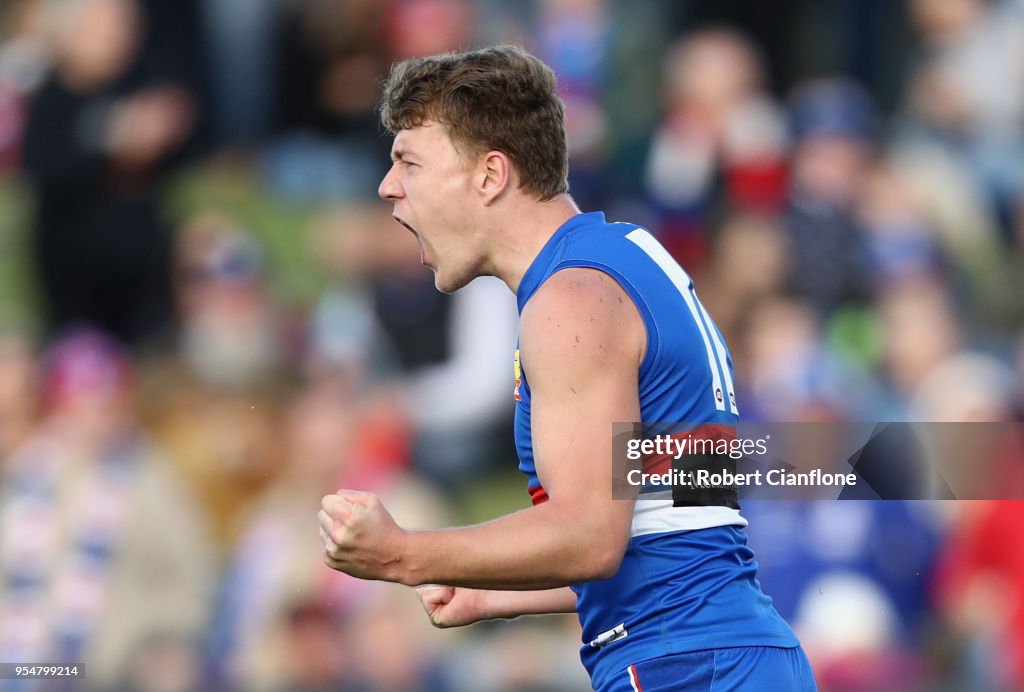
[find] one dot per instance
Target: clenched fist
(360, 537)
(450, 606)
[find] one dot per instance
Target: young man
(610, 331)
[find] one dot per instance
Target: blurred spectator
(491, 660)
(937, 189)
(919, 330)
(392, 644)
(18, 393)
(99, 539)
(95, 151)
(834, 128)
(721, 143)
(850, 576)
(334, 439)
(417, 28)
(214, 403)
(786, 372)
(224, 443)
(1019, 382)
(978, 590)
(574, 38)
(443, 349)
(900, 242)
(975, 457)
(967, 92)
(164, 662)
(231, 336)
(316, 656)
(984, 390)
(978, 587)
(749, 262)
(23, 63)
(241, 38)
(332, 148)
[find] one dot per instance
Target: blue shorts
(743, 668)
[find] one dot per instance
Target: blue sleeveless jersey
(687, 580)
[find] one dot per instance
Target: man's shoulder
(574, 290)
(581, 311)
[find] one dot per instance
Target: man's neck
(524, 232)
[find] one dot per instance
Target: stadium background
(207, 321)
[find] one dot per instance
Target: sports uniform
(685, 596)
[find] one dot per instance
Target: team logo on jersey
(519, 378)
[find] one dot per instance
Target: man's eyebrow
(399, 154)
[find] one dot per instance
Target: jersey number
(721, 377)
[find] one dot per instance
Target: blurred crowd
(208, 320)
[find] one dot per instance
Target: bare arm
(581, 343)
(450, 606)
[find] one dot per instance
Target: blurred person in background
(575, 38)
(786, 370)
(314, 653)
(393, 646)
(88, 566)
(231, 331)
(441, 377)
(336, 435)
(241, 39)
(1018, 361)
(214, 403)
(491, 660)
(224, 444)
(974, 456)
(23, 65)
(328, 146)
(748, 264)
(833, 127)
(852, 576)
(935, 191)
(978, 589)
(414, 28)
(18, 392)
(984, 386)
(900, 243)
(919, 330)
(966, 93)
(165, 662)
(99, 137)
(721, 143)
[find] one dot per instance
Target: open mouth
(407, 226)
(423, 251)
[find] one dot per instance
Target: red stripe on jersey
(538, 495)
(634, 680)
(662, 463)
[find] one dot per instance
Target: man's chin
(448, 284)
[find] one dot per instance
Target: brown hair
(499, 98)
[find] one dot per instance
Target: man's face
(430, 185)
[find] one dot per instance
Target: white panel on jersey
(659, 516)
(723, 361)
(646, 242)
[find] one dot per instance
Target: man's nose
(389, 189)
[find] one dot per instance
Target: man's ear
(495, 175)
